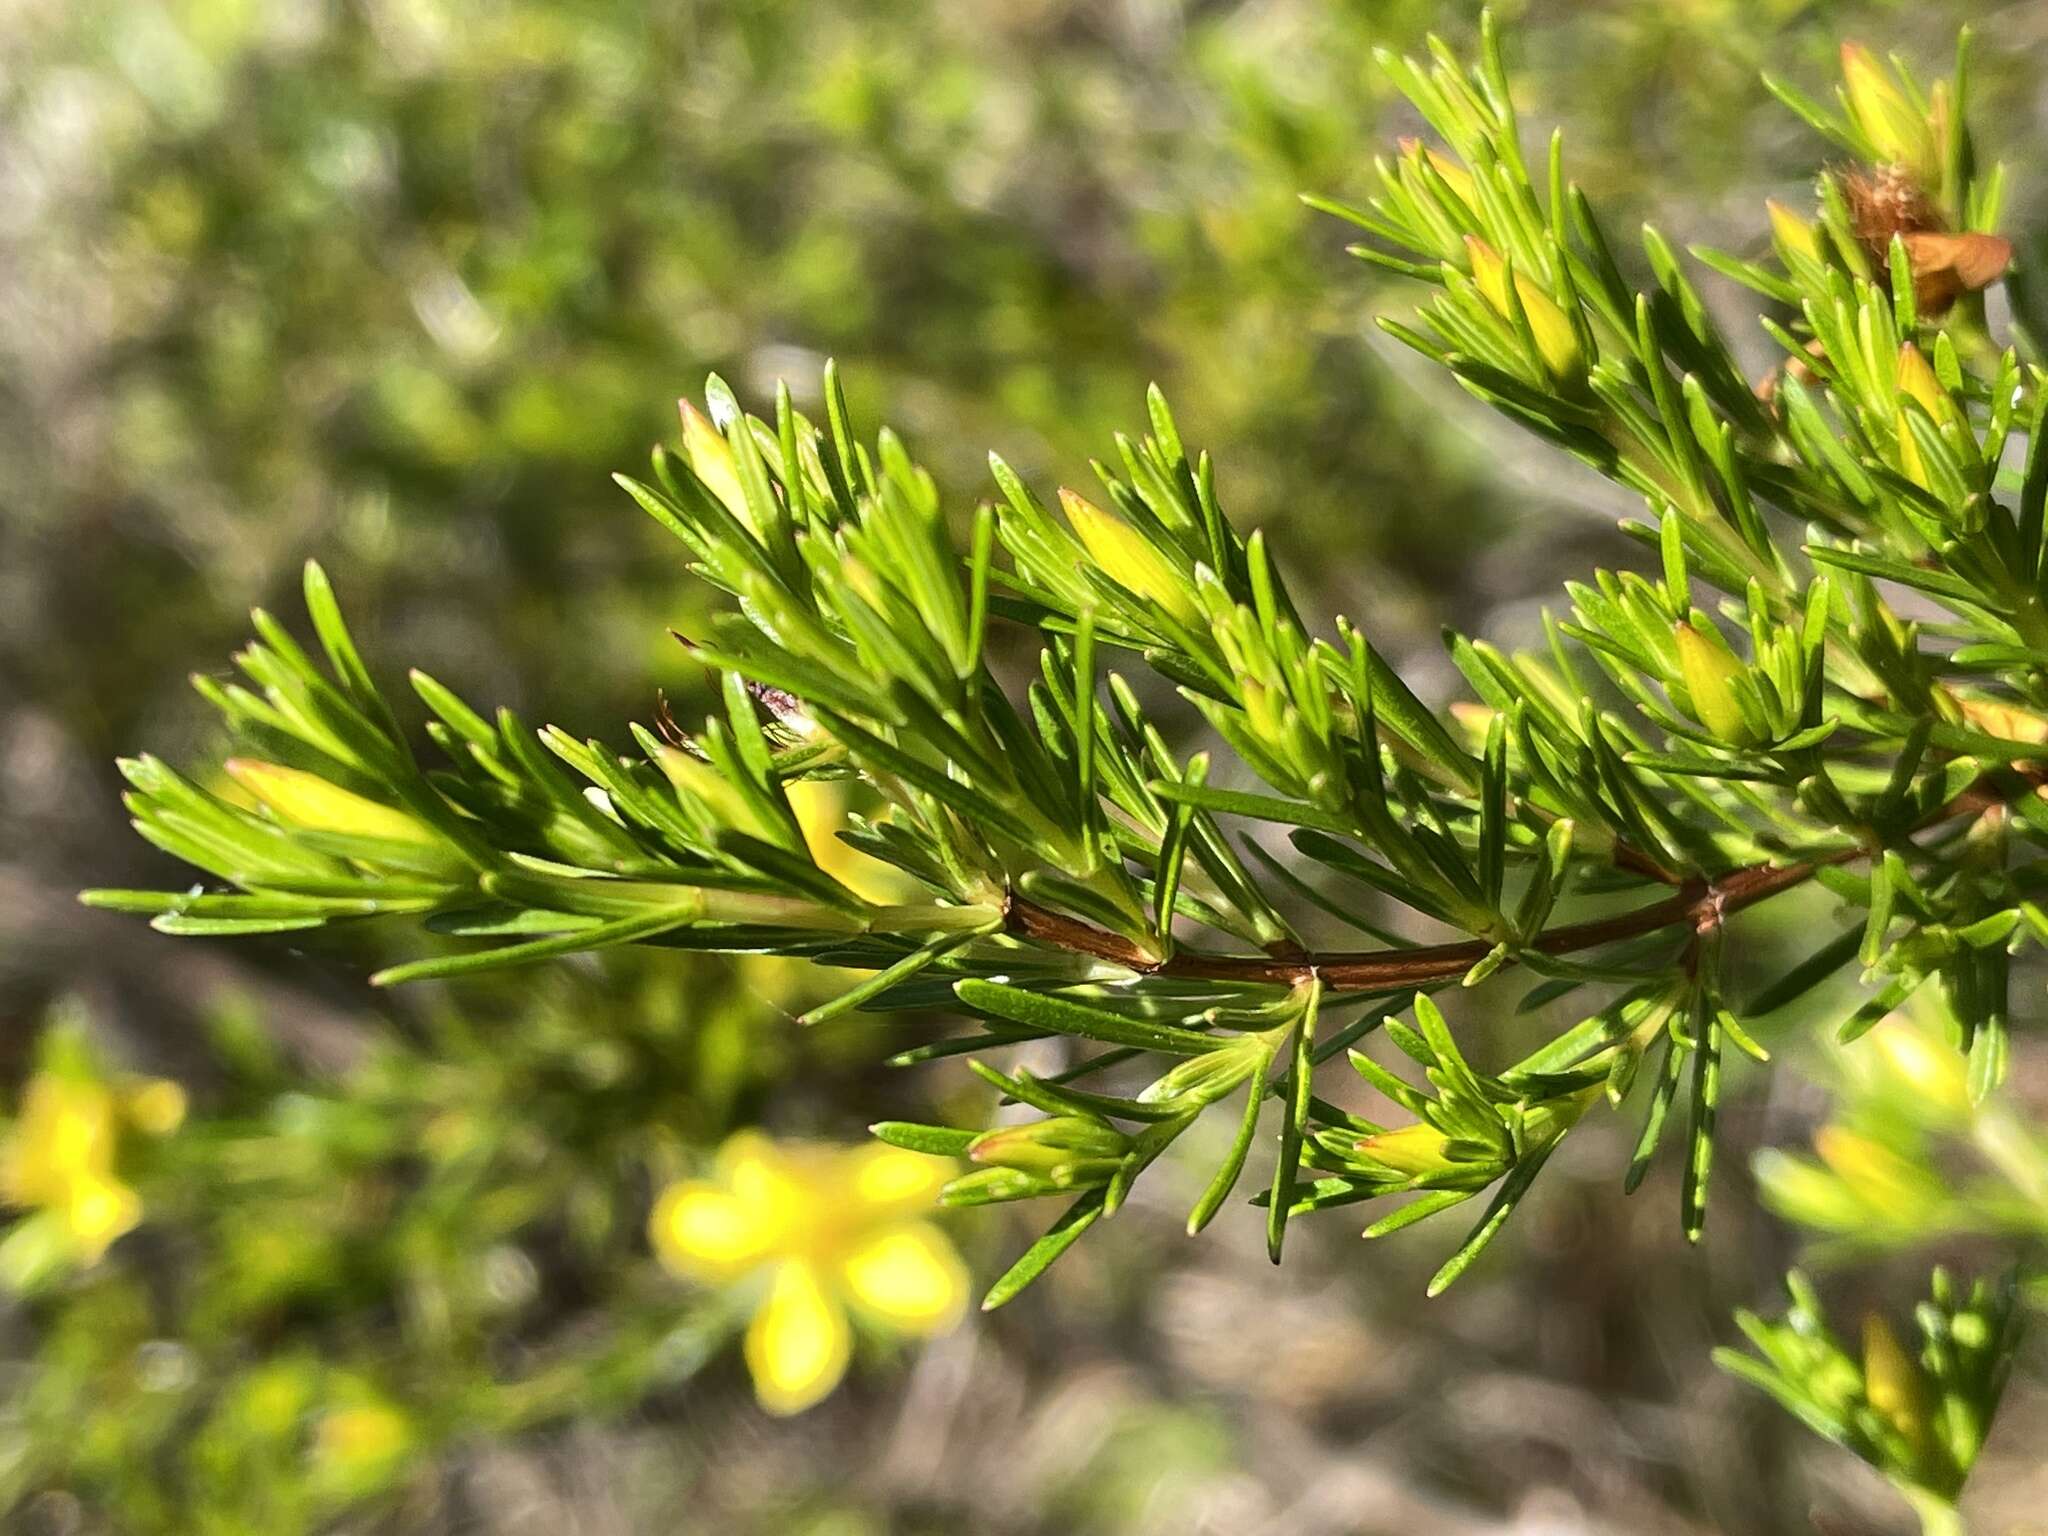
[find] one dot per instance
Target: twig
(1704, 904)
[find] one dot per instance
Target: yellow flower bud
(1710, 669)
(1412, 1149)
(710, 459)
(1793, 233)
(1891, 1381)
(1129, 559)
(1556, 339)
(307, 800)
(1916, 378)
(359, 1434)
(1881, 1178)
(1912, 464)
(1995, 717)
(820, 806)
(1455, 176)
(703, 786)
(1898, 134)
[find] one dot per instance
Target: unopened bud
(1709, 669)
(1793, 234)
(1994, 717)
(1912, 463)
(1065, 1148)
(155, 1106)
(1556, 339)
(1898, 133)
(1129, 559)
(1916, 378)
(1455, 176)
(1206, 1078)
(1891, 1381)
(307, 800)
(985, 1186)
(1411, 1151)
(710, 459)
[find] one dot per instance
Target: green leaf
(624, 930)
(1039, 1257)
(1062, 1016)
(1294, 1112)
(937, 1140)
(1226, 1175)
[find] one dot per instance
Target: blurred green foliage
(337, 1278)
(400, 282)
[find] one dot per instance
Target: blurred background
(397, 284)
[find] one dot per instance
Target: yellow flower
(1916, 378)
(835, 1231)
(60, 1157)
(364, 1436)
(361, 1443)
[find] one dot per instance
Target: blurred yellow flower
(361, 1443)
(1892, 1382)
(60, 1157)
(367, 1435)
(836, 1230)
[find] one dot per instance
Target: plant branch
(1704, 904)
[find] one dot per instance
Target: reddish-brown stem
(1703, 904)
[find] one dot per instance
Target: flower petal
(896, 1179)
(907, 1278)
(709, 1234)
(98, 1210)
(798, 1344)
(771, 1180)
